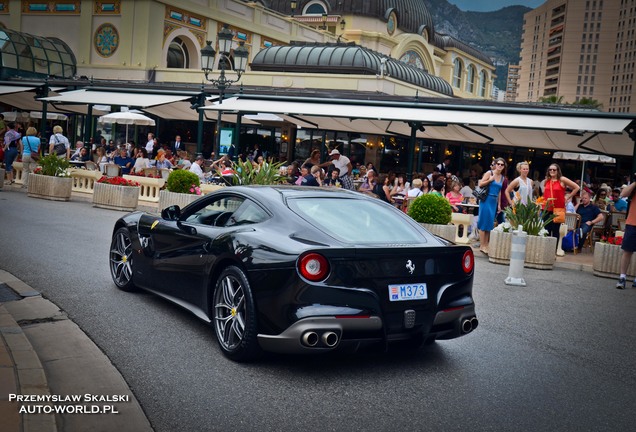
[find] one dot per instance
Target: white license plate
(403, 292)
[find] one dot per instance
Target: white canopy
(587, 157)
(127, 118)
(133, 99)
(519, 126)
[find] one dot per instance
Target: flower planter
(2, 174)
(167, 198)
(115, 197)
(607, 261)
(50, 187)
(499, 247)
(444, 231)
(540, 251)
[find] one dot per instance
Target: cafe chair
(598, 230)
(112, 170)
(91, 166)
(165, 172)
(151, 172)
(573, 222)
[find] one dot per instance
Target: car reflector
(468, 261)
(313, 266)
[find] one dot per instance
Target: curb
(23, 363)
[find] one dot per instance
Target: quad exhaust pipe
(311, 339)
(469, 325)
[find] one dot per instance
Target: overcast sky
(491, 5)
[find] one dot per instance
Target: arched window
(457, 73)
(178, 56)
(470, 79)
(315, 8)
(482, 83)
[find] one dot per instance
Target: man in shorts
(629, 238)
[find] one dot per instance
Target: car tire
(234, 316)
(121, 260)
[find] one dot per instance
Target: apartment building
(577, 50)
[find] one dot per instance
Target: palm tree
(589, 103)
(554, 99)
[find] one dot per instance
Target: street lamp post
(240, 54)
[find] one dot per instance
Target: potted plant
(434, 213)
(182, 188)
(247, 173)
(51, 179)
(116, 193)
(607, 258)
(540, 247)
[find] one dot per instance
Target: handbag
(35, 156)
(559, 215)
(480, 193)
(60, 147)
(558, 212)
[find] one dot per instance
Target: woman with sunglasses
(554, 193)
(489, 208)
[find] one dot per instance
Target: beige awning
(552, 129)
(130, 99)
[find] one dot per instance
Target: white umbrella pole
(582, 178)
(126, 134)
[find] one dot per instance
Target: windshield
(357, 221)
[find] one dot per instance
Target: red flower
(117, 181)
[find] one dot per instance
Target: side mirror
(172, 213)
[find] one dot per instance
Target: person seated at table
(314, 178)
(100, 158)
(467, 189)
(455, 197)
(416, 190)
(590, 216)
(333, 179)
(141, 162)
(369, 182)
(617, 203)
(81, 156)
(382, 188)
(304, 171)
(162, 162)
(399, 190)
(124, 161)
(438, 187)
(197, 167)
(183, 160)
(293, 172)
(111, 150)
(170, 157)
(79, 145)
(223, 166)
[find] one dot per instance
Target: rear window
(357, 221)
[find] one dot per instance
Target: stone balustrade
(84, 180)
(463, 220)
(148, 187)
(18, 174)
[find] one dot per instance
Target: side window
(248, 213)
(214, 213)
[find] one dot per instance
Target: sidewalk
(43, 353)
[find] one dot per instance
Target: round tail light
(468, 261)
(313, 267)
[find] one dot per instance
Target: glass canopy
(26, 55)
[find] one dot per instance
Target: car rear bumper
(327, 332)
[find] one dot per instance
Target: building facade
(579, 50)
(160, 41)
(512, 83)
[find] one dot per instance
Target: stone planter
(50, 187)
(540, 251)
(2, 174)
(115, 197)
(167, 198)
(499, 247)
(607, 261)
(444, 231)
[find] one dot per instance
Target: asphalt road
(555, 355)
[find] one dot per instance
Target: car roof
(289, 191)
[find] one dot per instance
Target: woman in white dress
(525, 185)
(141, 162)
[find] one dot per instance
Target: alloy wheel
(121, 259)
(229, 312)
